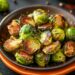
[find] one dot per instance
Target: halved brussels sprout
(70, 33)
(59, 56)
(13, 28)
(27, 20)
(25, 31)
(59, 21)
(69, 49)
(31, 45)
(42, 59)
(40, 16)
(53, 48)
(12, 44)
(46, 38)
(23, 58)
(58, 34)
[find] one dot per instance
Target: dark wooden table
(20, 3)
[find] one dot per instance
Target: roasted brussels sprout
(26, 20)
(25, 31)
(59, 56)
(69, 49)
(40, 16)
(42, 59)
(58, 34)
(59, 21)
(46, 38)
(13, 28)
(23, 58)
(53, 48)
(31, 45)
(70, 33)
(12, 44)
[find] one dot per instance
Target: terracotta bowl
(8, 59)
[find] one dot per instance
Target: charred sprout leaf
(52, 48)
(58, 34)
(42, 59)
(23, 58)
(46, 38)
(47, 26)
(69, 49)
(12, 44)
(40, 16)
(31, 45)
(59, 57)
(70, 33)
(26, 31)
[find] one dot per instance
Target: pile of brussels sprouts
(40, 38)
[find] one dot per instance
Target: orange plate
(24, 71)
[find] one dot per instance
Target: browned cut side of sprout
(31, 45)
(13, 28)
(12, 44)
(23, 58)
(27, 20)
(53, 48)
(69, 49)
(60, 21)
